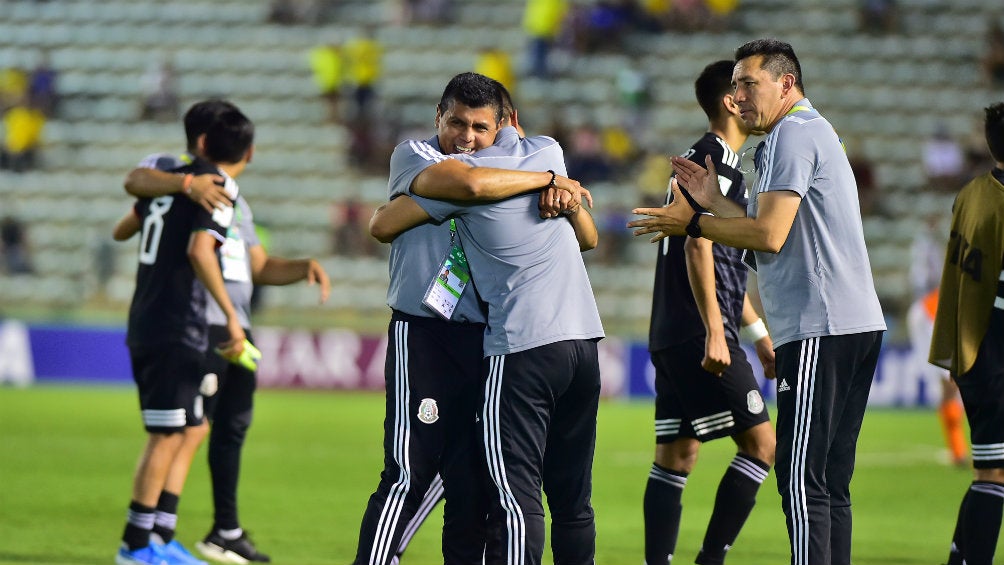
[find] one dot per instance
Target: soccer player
(968, 333)
(541, 367)
(229, 390)
(705, 388)
(433, 371)
(168, 330)
(803, 224)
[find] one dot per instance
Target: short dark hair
(228, 137)
(473, 90)
(200, 116)
(714, 82)
(778, 58)
(994, 128)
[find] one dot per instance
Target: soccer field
(312, 459)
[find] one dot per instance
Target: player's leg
(164, 417)
(463, 468)
(432, 497)
(982, 389)
(951, 414)
(675, 455)
(739, 392)
(419, 355)
(803, 431)
(515, 416)
(849, 362)
(568, 455)
(230, 408)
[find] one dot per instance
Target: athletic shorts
(982, 389)
(691, 402)
(167, 379)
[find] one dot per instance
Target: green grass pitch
(312, 458)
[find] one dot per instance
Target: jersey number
(965, 256)
(153, 228)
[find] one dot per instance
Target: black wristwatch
(694, 228)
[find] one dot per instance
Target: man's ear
(200, 145)
(729, 102)
(439, 114)
(249, 154)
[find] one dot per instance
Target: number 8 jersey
(169, 302)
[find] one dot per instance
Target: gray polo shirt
(820, 283)
(529, 270)
(416, 254)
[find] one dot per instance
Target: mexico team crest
(754, 402)
(428, 411)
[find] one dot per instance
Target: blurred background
(90, 87)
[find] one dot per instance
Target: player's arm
(453, 179)
(202, 254)
(754, 330)
(127, 226)
(279, 271)
(585, 228)
(701, 273)
(397, 216)
(766, 232)
(205, 190)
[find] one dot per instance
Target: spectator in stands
(42, 92)
(943, 160)
(542, 22)
(864, 175)
(326, 65)
(877, 16)
(495, 63)
(585, 158)
(993, 55)
(160, 92)
(22, 125)
(350, 228)
(14, 244)
(721, 14)
(13, 87)
(362, 60)
(635, 96)
(284, 12)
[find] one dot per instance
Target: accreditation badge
(449, 283)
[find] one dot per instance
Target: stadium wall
(341, 359)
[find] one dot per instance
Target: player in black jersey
(167, 331)
(705, 388)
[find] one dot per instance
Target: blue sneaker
(149, 555)
(176, 554)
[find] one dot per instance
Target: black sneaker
(239, 551)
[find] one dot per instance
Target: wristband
(186, 184)
(554, 176)
(754, 332)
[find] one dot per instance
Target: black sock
(733, 504)
(955, 553)
(138, 525)
(662, 510)
(983, 511)
(166, 518)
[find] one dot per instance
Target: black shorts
(167, 379)
(691, 402)
(982, 389)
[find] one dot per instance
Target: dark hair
(714, 82)
(473, 90)
(778, 58)
(507, 104)
(228, 137)
(995, 130)
(200, 116)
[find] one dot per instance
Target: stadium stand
(884, 91)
